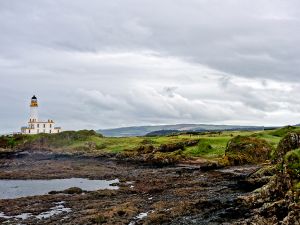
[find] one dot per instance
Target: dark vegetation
(164, 154)
(247, 150)
(11, 141)
(51, 140)
(63, 139)
(162, 133)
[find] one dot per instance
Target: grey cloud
(127, 62)
(248, 38)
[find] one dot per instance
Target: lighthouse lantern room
(34, 125)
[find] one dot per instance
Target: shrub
(292, 161)
(247, 150)
(171, 147)
(202, 148)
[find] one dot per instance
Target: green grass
(211, 145)
(218, 142)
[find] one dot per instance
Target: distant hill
(162, 132)
(143, 130)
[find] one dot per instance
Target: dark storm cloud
(128, 62)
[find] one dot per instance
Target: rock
(73, 190)
(277, 202)
(290, 142)
(258, 178)
(246, 150)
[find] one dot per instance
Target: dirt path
(147, 195)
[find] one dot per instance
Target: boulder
(290, 142)
(247, 150)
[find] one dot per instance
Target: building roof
(33, 97)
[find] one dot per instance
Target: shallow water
(56, 210)
(10, 189)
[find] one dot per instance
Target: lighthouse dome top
(33, 97)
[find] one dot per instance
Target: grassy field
(214, 145)
(211, 144)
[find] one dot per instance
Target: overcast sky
(101, 64)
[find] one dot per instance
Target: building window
(44, 131)
(50, 125)
(38, 125)
(38, 131)
(44, 125)
(50, 131)
(29, 131)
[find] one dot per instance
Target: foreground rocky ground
(181, 194)
(158, 184)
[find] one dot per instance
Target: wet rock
(258, 178)
(73, 190)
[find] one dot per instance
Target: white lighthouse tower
(33, 110)
(34, 125)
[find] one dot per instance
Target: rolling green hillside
(210, 145)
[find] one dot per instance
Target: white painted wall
(34, 113)
(40, 127)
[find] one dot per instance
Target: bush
(11, 141)
(171, 147)
(292, 161)
(61, 139)
(202, 148)
(247, 150)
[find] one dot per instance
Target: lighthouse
(33, 109)
(35, 126)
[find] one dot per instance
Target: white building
(34, 125)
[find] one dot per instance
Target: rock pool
(10, 189)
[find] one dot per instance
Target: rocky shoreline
(178, 194)
(158, 186)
